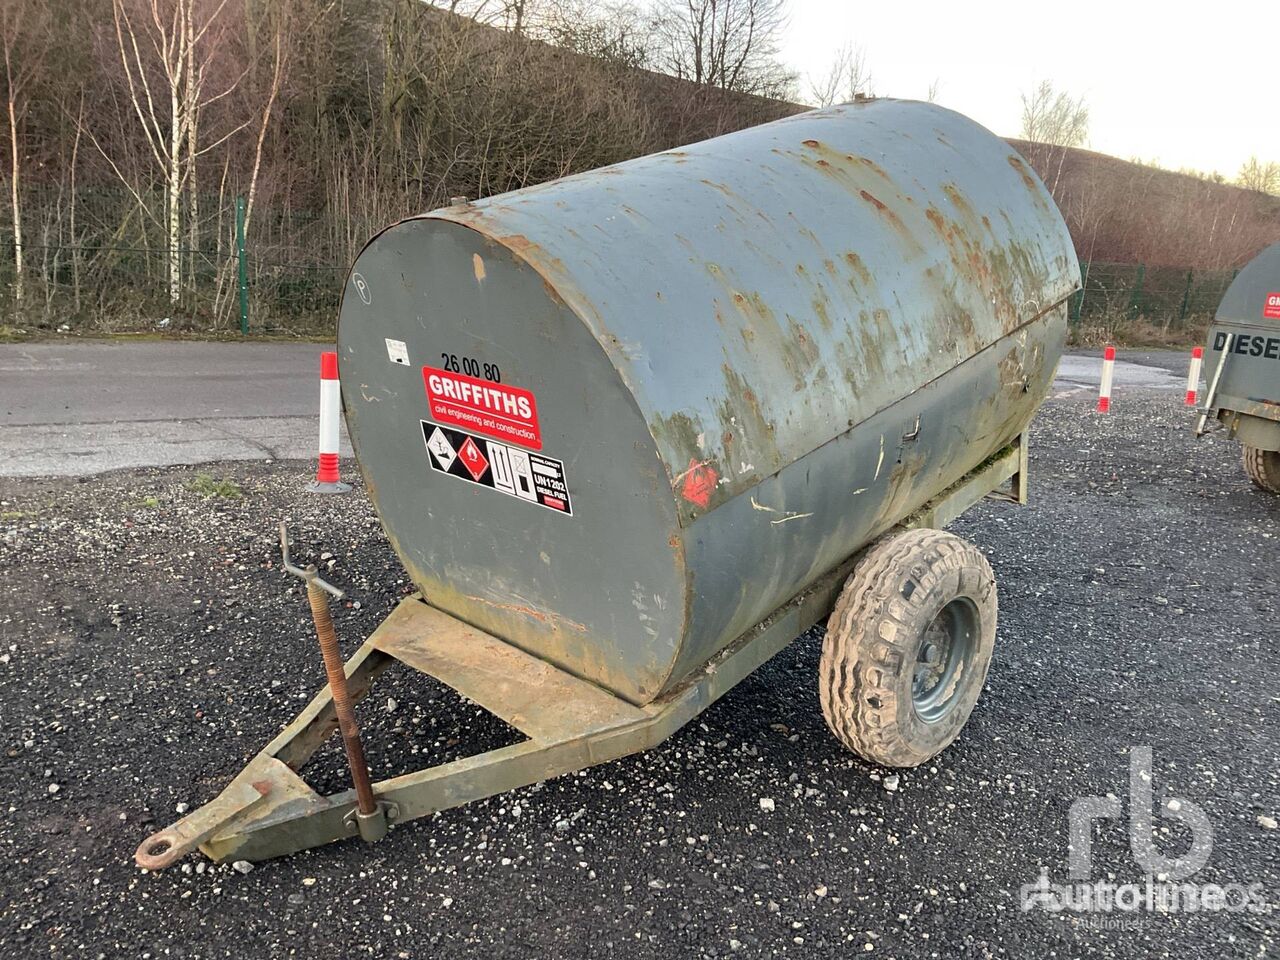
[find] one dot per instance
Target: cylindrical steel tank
(1246, 386)
(723, 369)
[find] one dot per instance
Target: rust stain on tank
(519, 243)
(958, 200)
(872, 166)
(859, 267)
(905, 235)
(553, 620)
(791, 346)
(982, 266)
(552, 293)
(806, 349)
(812, 144)
(681, 433)
(868, 346)
(740, 411)
(535, 254)
(874, 201)
(1027, 178)
(809, 235)
(633, 213)
(477, 267)
(820, 311)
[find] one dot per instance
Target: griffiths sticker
(500, 466)
(484, 407)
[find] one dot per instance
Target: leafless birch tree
(165, 49)
(22, 26)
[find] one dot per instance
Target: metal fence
(1173, 296)
(104, 265)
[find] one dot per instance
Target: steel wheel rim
(942, 659)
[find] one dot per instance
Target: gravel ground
(150, 645)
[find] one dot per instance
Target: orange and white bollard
(327, 478)
(1104, 389)
(1193, 375)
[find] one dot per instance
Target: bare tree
(165, 51)
(280, 24)
(1054, 123)
(934, 89)
(1256, 175)
(729, 44)
(513, 15)
(1051, 116)
(848, 78)
(22, 41)
(349, 115)
(619, 34)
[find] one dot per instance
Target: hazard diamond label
(699, 483)
(473, 459)
(441, 449)
(526, 476)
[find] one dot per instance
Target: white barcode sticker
(397, 352)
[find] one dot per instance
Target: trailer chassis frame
(268, 810)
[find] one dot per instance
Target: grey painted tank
(723, 368)
(1248, 392)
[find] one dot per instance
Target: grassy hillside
(327, 119)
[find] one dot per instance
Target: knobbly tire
(1263, 467)
(907, 647)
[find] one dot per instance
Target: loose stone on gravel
(165, 706)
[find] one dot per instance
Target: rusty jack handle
(371, 818)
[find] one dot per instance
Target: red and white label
(473, 459)
(1271, 307)
(493, 409)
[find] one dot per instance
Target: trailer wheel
(1263, 467)
(907, 647)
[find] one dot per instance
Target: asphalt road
(149, 645)
(82, 408)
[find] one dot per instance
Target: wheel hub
(944, 654)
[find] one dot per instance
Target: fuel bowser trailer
(1243, 360)
(633, 431)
